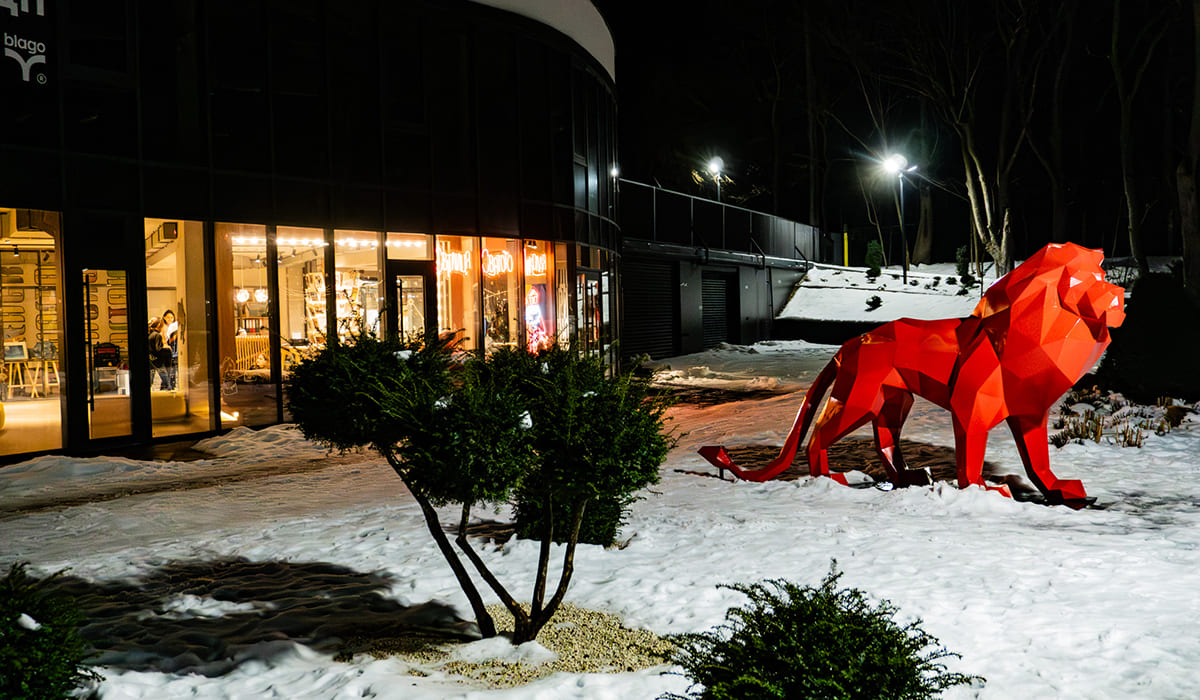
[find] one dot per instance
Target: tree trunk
(1185, 175)
(1189, 225)
(1133, 206)
(923, 246)
(539, 621)
(989, 213)
(812, 112)
(487, 628)
(1128, 71)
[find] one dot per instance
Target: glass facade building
(195, 195)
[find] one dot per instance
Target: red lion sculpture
(1035, 332)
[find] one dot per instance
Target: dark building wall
(425, 116)
(735, 269)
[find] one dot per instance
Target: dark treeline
(1029, 120)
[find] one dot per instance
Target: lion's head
(1065, 275)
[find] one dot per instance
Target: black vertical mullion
(215, 378)
(273, 337)
(331, 334)
(269, 97)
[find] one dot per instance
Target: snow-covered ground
(1045, 602)
(836, 293)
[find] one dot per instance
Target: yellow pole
(845, 249)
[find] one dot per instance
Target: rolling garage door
(650, 291)
(720, 308)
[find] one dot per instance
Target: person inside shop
(160, 355)
(171, 338)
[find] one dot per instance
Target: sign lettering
(452, 260)
(24, 38)
(535, 263)
(494, 264)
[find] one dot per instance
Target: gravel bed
(583, 641)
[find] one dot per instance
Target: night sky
(703, 78)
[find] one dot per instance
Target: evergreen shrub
(874, 259)
(602, 518)
(1153, 352)
(962, 265)
(598, 434)
(41, 650)
(798, 643)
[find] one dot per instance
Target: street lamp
(897, 165)
(715, 166)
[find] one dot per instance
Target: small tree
(555, 424)
(598, 435)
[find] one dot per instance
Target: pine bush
(874, 259)
(962, 265)
(798, 643)
(41, 650)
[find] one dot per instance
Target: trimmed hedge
(795, 643)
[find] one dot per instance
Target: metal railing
(661, 217)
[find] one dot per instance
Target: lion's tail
(719, 458)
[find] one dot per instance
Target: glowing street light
(897, 165)
(715, 166)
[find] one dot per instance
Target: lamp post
(715, 166)
(897, 165)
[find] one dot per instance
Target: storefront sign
(494, 264)
(25, 44)
(452, 260)
(535, 263)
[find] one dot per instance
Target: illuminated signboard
(493, 264)
(535, 263)
(25, 37)
(452, 260)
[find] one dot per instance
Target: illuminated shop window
(539, 295)
(176, 295)
(300, 254)
(562, 294)
(108, 363)
(356, 283)
(409, 246)
(502, 298)
(248, 394)
(33, 373)
(458, 289)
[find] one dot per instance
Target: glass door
(410, 311)
(106, 330)
(589, 312)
